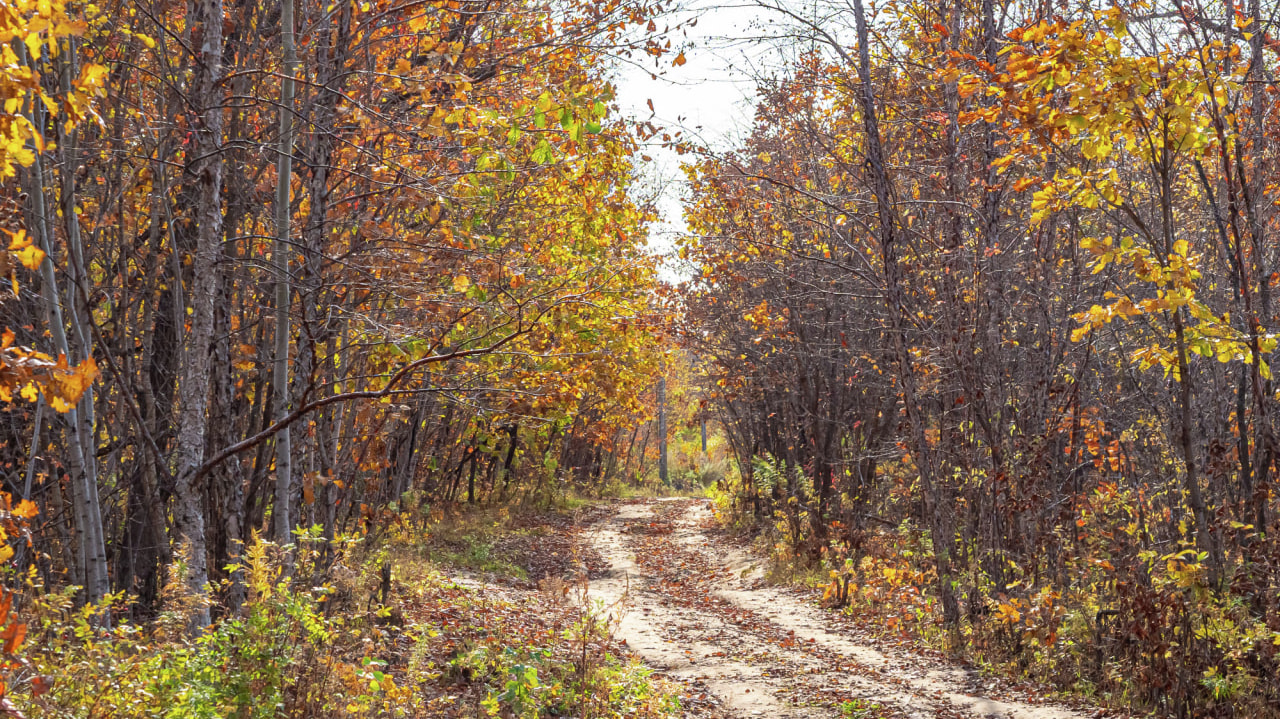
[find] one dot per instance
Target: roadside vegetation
(997, 349)
(485, 614)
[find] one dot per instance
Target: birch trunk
(91, 558)
(96, 558)
(193, 394)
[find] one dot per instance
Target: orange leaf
(41, 684)
(26, 509)
(13, 636)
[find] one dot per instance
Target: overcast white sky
(711, 97)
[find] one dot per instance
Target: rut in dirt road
(688, 606)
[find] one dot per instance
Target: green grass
(860, 709)
(475, 552)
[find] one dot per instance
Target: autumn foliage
(982, 311)
(443, 296)
(997, 295)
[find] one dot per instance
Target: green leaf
(542, 154)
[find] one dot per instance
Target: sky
(710, 97)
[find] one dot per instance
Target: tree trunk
(662, 429)
(280, 259)
(193, 399)
(887, 231)
(92, 555)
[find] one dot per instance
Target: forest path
(690, 604)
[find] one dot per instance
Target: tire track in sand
(687, 605)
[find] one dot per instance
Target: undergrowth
(348, 630)
(1124, 623)
(495, 542)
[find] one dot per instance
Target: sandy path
(688, 604)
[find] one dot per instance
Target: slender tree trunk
(1204, 535)
(471, 478)
(193, 400)
(1205, 538)
(280, 258)
(887, 231)
(1265, 442)
(92, 556)
(79, 307)
(508, 464)
(644, 447)
(20, 559)
(662, 429)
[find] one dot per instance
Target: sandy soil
(692, 606)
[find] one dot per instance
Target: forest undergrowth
(1144, 633)
(480, 612)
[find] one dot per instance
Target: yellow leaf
(19, 240)
(34, 43)
(31, 257)
(1008, 613)
(461, 283)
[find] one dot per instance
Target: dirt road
(691, 606)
